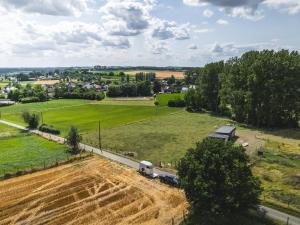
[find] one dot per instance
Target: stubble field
(94, 191)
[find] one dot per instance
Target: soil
(92, 191)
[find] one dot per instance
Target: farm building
(226, 133)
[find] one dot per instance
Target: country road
(272, 213)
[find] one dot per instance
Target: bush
(2, 96)
(49, 129)
(176, 103)
(29, 100)
(31, 119)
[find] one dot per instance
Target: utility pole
(42, 118)
(100, 143)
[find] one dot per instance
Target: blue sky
(142, 32)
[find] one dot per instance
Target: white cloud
(222, 22)
(163, 30)
(126, 17)
(159, 48)
(231, 49)
(194, 3)
(247, 9)
(291, 6)
(193, 47)
(48, 7)
(208, 13)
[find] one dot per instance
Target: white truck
(146, 169)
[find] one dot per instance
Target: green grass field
(165, 134)
(163, 99)
(22, 151)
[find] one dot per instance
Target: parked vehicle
(146, 169)
(169, 179)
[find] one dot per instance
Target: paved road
(280, 216)
(272, 213)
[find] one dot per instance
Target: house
(8, 89)
(184, 89)
(226, 133)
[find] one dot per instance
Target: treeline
(145, 76)
(130, 89)
(61, 91)
(259, 88)
(28, 94)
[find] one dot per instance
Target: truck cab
(146, 169)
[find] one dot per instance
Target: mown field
(163, 135)
(21, 151)
(163, 99)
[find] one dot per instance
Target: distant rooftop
(225, 130)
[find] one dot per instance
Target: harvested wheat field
(160, 74)
(48, 82)
(93, 191)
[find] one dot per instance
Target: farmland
(163, 135)
(159, 74)
(163, 99)
(86, 116)
(93, 191)
(22, 151)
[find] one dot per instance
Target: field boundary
(43, 166)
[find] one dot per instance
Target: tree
(156, 86)
(217, 179)
(171, 80)
(31, 119)
(73, 139)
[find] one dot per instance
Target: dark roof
(219, 136)
(225, 130)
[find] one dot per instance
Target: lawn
(165, 138)
(163, 99)
(42, 106)
(21, 151)
(86, 116)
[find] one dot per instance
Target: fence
(9, 170)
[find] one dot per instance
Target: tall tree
(73, 139)
(217, 179)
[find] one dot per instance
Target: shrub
(176, 103)
(29, 100)
(49, 129)
(32, 119)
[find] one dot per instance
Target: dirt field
(161, 74)
(94, 191)
(49, 82)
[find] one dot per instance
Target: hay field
(93, 191)
(49, 82)
(160, 74)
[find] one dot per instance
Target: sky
(42, 33)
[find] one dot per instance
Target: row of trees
(130, 89)
(28, 94)
(61, 91)
(259, 88)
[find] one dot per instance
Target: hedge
(176, 103)
(29, 100)
(49, 129)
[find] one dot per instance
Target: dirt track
(94, 191)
